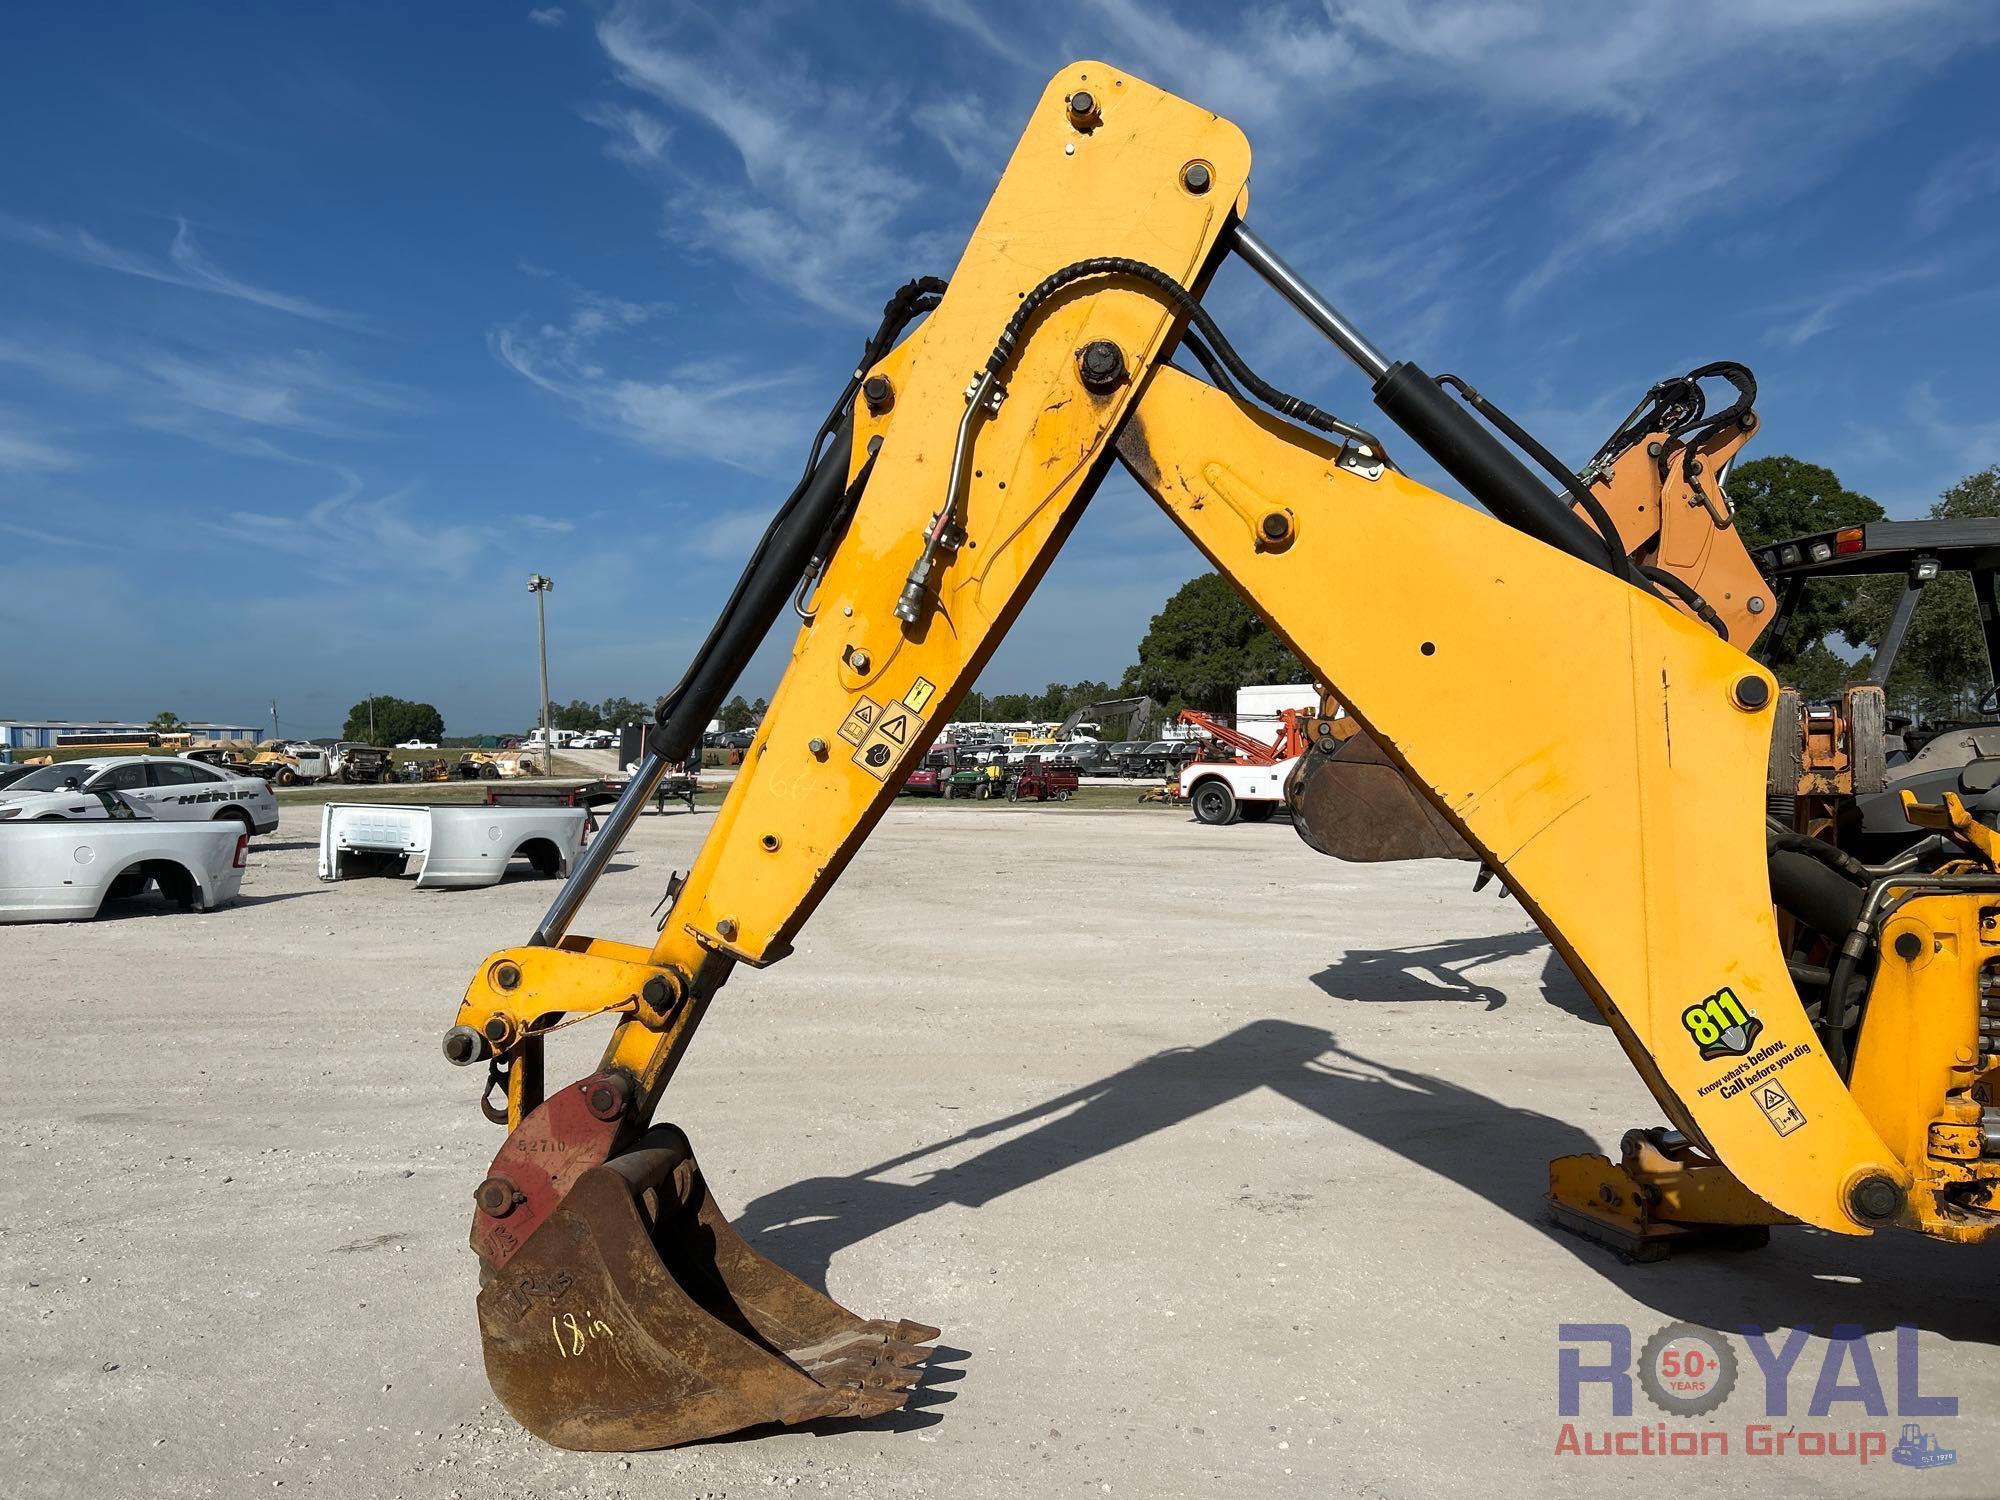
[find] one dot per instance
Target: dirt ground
(1219, 1163)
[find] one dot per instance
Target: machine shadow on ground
(1805, 1278)
(1444, 971)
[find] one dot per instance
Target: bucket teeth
(613, 1328)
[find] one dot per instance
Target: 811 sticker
(1720, 1026)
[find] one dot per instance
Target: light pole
(539, 587)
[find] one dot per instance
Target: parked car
(1118, 758)
(165, 786)
(10, 774)
(58, 871)
(417, 745)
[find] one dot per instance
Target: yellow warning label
(1785, 1116)
(919, 694)
(885, 742)
(854, 728)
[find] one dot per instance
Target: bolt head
(1083, 110)
(1276, 526)
(1101, 365)
(816, 746)
(507, 976)
(497, 1028)
(605, 1098)
(496, 1197)
(1196, 177)
(726, 929)
(878, 393)
(859, 660)
(656, 991)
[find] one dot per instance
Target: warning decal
(886, 739)
(919, 694)
(854, 728)
(1785, 1116)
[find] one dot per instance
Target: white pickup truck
(460, 847)
(1223, 791)
(64, 870)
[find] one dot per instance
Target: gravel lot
(1219, 1163)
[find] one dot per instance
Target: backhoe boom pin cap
(1750, 692)
(1875, 1200)
(463, 1046)
(878, 393)
(1083, 111)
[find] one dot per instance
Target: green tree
(1942, 668)
(1782, 497)
(395, 720)
(736, 715)
(758, 710)
(576, 714)
(1204, 645)
(165, 723)
(616, 713)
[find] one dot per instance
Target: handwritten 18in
(571, 1335)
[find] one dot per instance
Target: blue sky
(322, 327)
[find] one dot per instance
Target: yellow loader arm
(1615, 785)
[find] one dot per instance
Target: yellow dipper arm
(1614, 782)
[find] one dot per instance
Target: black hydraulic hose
(1838, 860)
(1490, 472)
(910, 301)
(1205, 357)
(1295, 407)
(1680, 589)
(760, 597)
(1529, 444)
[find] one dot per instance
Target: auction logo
(1690, 1372)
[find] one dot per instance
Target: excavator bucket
(634, 1317)
(1348, 799)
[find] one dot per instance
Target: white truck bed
(61, 870)
(461, 847)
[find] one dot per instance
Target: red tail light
(242, 858)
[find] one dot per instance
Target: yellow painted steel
(1918, 1072)
(797, 813)
(1614, 784)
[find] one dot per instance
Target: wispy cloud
(219, 399)
(1810, 318)
(55, 538)
(23, 451)
(816, 197)
(696, 409)
(971, 19)
(1954, 184)
(184, 265)
(348, 535)
(551, 16)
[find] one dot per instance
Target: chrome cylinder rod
(1316, 310)
(590, 864)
